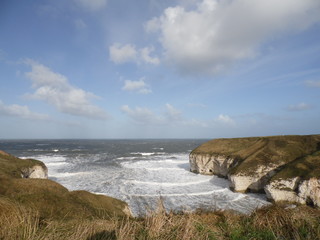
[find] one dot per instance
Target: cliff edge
(286, 168)
(24, 182)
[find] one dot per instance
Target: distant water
(139, 172)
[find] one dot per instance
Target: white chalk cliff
(36, 171)
(286, 168)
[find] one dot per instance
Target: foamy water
(142, 178)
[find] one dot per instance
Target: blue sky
(159, 69)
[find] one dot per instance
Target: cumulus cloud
(315, 84)
(225, 119)
(92, 5)
(214, 34)
(136, 86)
(298, 107)
(21, 112)
(55, 89)
(128, 53)
(147, 58)
(122, 53)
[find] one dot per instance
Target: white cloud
(55, 89)
(225, 119)
(92, 5)
(145, 56)
(311, 83)
(142, 115)
(21, 112)
(128, 53)
(299, 107)
(216, 33)
(121, 54)
(137, 86)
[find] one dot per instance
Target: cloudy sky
(159, 68)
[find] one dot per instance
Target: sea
(139, 172)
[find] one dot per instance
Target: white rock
(309, 191)
(36, 171)
(211, 164)
(284, 190)
(255, 182)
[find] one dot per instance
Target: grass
(11, 166)
(270, 223)
(305, 168)
(50, 199)
(254, 152)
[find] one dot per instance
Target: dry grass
(270, 223)
(255, 152)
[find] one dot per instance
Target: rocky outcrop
(211, 164)
(284, 190)
(309, 191)
(293, 190)
(287, 168)
(254, 182)
(36, 171)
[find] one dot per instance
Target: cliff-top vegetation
(255, 152)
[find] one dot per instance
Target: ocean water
(139, 172)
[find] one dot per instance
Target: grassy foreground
(275, 222)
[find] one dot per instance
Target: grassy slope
(50, 199)
(271, 223)
(256, 151)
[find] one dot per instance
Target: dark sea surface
(139, 172)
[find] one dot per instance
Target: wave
(143, 153)
(56, 164)
(158, 148)
(180, 194)
(166, 183)
(238, 198)
(163, 168)
(69, 174)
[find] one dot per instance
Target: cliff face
(36, 171)
(24, 182)
(211, 164)
(285, 167)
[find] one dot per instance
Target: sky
(159, 68)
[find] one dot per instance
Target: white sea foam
(143, 153)
(49, 164)
(142, 180)
(179, 184)
(70, 174)
(179, 194)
